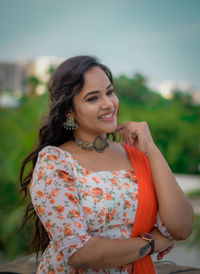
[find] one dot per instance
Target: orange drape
(147, 204)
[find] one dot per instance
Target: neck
(96, 143)
(86, 137)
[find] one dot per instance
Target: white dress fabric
(75, 204)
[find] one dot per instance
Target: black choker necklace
(99, 144)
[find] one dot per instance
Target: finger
(130, 138)
(121, 131)
(121, 126)
(165, 252)
(125, 138)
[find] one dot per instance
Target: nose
(107, 103)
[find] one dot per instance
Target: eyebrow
(96, 91)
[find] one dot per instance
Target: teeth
(107, 116)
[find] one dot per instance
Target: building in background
(28, 78)
(39, 71)
(12, 77)
(31, 78)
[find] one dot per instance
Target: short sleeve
(55, 198)
(161, 227)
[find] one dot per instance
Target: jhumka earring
(70, 124)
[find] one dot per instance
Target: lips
(106, 115)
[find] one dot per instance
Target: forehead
(95, 79)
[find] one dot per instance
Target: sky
(158, 38)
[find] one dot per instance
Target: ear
(69, 113)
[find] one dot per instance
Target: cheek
(85, 112)
(116, 101)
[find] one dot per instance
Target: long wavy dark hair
(65, 83)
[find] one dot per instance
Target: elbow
(77, 262)
(184, 232)
(83, 262)
(88, 256)
(186, 228)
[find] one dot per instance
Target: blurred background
(153, 50)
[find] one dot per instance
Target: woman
(95, 197)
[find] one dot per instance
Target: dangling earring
(70, 124)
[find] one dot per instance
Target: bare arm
(174, 207)
(105, 253)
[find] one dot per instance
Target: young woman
(101, 206)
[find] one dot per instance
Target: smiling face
(96, 106)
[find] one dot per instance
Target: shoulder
(52, 157)
(49, 150)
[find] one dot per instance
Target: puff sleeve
(161, 227)
(55, 198)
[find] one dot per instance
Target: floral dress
(75, 204)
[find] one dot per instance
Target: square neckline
(91, 171)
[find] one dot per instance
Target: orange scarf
(147, 204)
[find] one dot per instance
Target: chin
(111, 129)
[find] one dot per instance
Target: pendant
(99, 144)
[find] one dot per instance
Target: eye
(91, 99)
(110, 92)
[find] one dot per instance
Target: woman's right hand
(161, 242)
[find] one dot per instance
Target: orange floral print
(107, 196)
(95, 179)
(60, 208)
(109, 216)
(123, 232)
(51, 272)
(59, 268)
(42, 154)
(50, 166)
(74, 204)
(96, 191)
(96, 200)
(87, 210)
(115, 174)
(77, 224)
(134, 196)
(54, 192)
(48, 181)
(47, 225)
(52, 201)
(72, 198)
(130, 175)
(67, 231)
(64, 176)
(127, 204)
(83, 180)
(85, 193)
(70, 188)
(75, 213)
(57, 244)
(40, 175)
(126, 185)
(52, 157)
(39, 194)
(102, 212)
(60, 256)
(114, 182)
(40, 210)
(85, 172)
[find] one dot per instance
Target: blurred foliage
(193, 194)
(174, 125)
(194, 239)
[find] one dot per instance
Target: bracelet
(147, 237)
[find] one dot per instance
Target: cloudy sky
(159, 38)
